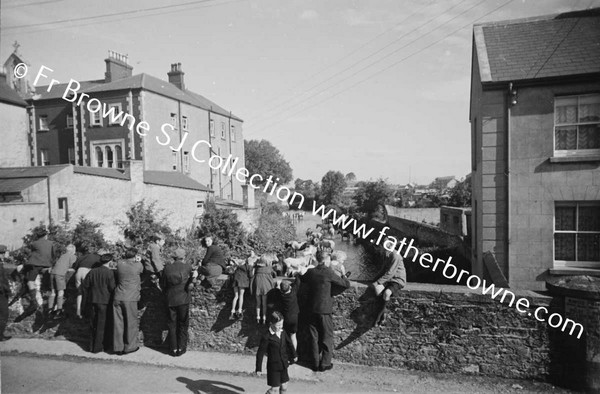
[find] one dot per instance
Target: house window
(184, 123)
(174, 120)
(577, 234)
(99, 157)
(63, 209)
(223, 130)
(119, 156)
(114, 119)
(186, 161)
(577, 125)
(44, 123)
(108, 154)
(45, 157)
(212, 128)
(71, 153)
(199, 208)
(174, 156)
(69, 121)
(232, 133)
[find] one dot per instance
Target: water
(360, 262)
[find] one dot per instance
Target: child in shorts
(278, 347)
(58, 282)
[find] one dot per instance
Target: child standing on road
(278, 347)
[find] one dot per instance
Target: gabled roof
(164, 88)
(7, 95)
(31, 172)
(17, 185)
(543, 47)
(173, 179)
(58, 90)
(99, 171)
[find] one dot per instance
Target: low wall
(429, 215)
(430, 328)
(424, 234)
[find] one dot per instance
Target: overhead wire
(390, 66)
(338, 74)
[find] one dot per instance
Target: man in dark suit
(125, 303)
(175, 282)
(318, 281)
(4, 293)
(99, 285)
(43, 253)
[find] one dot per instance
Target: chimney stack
(117, 67)
(176, 76)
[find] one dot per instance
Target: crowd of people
(109, 289)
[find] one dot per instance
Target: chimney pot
(176, 76)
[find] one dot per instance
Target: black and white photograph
(300, 196)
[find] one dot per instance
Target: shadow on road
(210, 386)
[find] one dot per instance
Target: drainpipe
(231, 153)
(511, 100)
(209, 148)
(180, 135)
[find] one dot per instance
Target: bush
(144, 220)
(226, 228)
(272, 232)
(87, 235)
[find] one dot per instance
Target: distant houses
(535, 118)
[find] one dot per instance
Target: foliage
(350, 177)
(144, 220)
(225, 227)
(370, 195)
(460, 194)
(264, 159)
(272, 232)
(87, 235)
(59, 233)
(332, 187)
(309, 189)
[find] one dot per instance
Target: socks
(59, 303)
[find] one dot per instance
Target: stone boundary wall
(424, 233)
(430, 328)
(430, 215)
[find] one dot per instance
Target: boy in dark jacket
(288, 303)
(278, 347)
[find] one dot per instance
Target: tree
(370, 195)
(460, 194)
(273, 231)
(87, 235)
(332, 186)
(144, 220)
(350, 177)
(309, 189)
(264, 159)
(225, 226)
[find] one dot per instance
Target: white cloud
(309, 15)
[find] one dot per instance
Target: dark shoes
(327, 368)
(178, 352)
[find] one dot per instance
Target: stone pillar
(575, 362)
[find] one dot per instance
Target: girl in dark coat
(262, 283)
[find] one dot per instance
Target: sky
(376, 87)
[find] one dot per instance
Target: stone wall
(424, 234)
(430, 328)
(429, 215)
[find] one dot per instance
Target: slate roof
(173, 179)
(543, 47)
(17, 185)
(31, 172)
(7, 95)
(153, 84)
(99, 171)
(58, 90)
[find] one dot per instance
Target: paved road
(35, 374)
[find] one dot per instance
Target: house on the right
(535, 133)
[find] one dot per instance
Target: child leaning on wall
(262, 282)
(241, 282)
(58, 283)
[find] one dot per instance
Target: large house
(535, 119)
(99, 165)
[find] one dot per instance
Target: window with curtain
(109, 157)
(577, 234)
(99, 157)
(119, 156)
(577, 125)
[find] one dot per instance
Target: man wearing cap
(318, 282)
(175, 282)
(43, 253)
(83, 265)
(126, 297)
(99, 285)
(4, 293)
(153, 264)
(392, 280)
